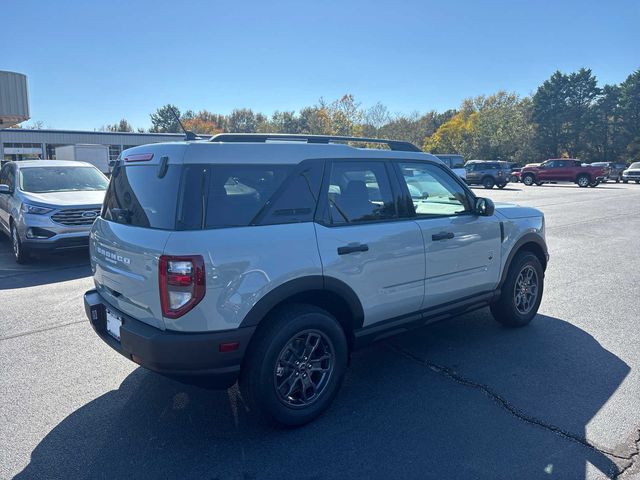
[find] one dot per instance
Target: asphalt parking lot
(464, 398)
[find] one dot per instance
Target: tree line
(569, 115)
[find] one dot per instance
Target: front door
(7, 177)
(462, 249)
(364, 243)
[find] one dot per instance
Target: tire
(20, 252)
(513, 179)
(506, 310)
(594, 184)
(502, 185)
(539, 184)
(271, 361)
(528, 179)
(488, 183)
(583, 181)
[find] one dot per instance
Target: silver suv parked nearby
(268, 259)
(49, 205)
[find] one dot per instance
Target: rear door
(364, 242)
(462, 249)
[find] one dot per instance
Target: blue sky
(90, 63)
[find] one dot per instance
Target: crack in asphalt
(634, 458)
(39, 330)
(515, 411)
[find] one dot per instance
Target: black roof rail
(397, 145)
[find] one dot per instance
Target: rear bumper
(188, 357)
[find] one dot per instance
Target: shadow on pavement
(394, 418)
(42, 269)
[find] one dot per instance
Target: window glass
(138, 196)
(433, 191)
(297, 202)
(238, 193)
(4, 174)
(359, 192)
(457, 162)
(61, 179)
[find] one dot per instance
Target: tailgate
(124, 260)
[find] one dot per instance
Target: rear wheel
(583, 181)
(521, 292)
(20, 252)
(294, 369)
(488, 182)
(528, 179)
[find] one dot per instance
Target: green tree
(241, 120)
(164, 120)
(550, 115)
(122, 126)
(582, 92)
(630, 116)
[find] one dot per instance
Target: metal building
(21, 144)
(14, 99)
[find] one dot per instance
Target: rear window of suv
(204, 196)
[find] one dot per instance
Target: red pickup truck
(563, 170)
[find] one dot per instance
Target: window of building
(51, 150)
(114, 151)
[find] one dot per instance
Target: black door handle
(442, 236)
(352, 248)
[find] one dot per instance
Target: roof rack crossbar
(324, 139)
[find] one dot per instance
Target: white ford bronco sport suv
(267, 259)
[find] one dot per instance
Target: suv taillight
(182, 284)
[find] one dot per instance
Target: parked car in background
(514, 177)
(557, 170)
(632, 173)
(269, 262)
(454, 162)
(488, 173)
(49, 205)
(614, 170)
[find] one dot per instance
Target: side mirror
(484, 207)
(4, 189)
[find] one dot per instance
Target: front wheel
(293, 371)
(521, 292)
(528, 179)
(20, 252)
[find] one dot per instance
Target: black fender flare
(524, 240)
(301, 285)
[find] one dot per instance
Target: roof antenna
(188, 135)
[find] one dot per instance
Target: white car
(455, 162)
